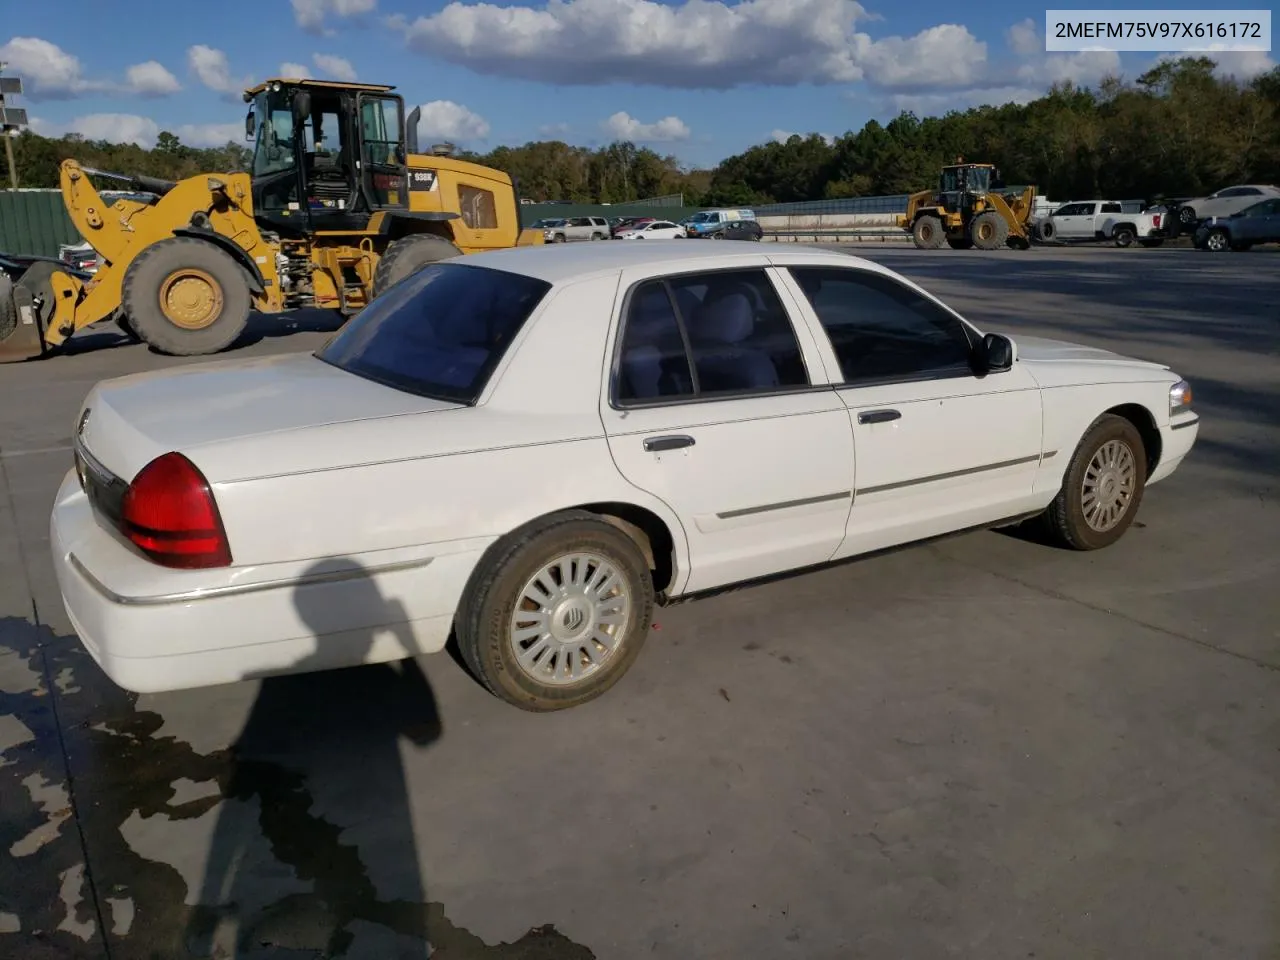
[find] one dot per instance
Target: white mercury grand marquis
(531, 448)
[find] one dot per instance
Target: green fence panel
(34, 222)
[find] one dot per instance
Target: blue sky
(701, 79)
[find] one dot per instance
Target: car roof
(561, 263)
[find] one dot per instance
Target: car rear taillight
(1155, 220)
(169, 514)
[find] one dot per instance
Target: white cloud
(1041, 69)
(623, 126)
(48, 72)
(336, 67)
(1244, 65)
(553, 130)
(214, 71)
(151, 79)
(700, 43)
(112, 127)
(295, 70)
(446, 120)
(310, 15)
(209, 134)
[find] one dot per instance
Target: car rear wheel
(1103, 486)
(556, 613)
(1124, 236)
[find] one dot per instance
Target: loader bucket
(23, 312)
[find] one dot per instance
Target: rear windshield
(439, 332)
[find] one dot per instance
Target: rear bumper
(180, 631)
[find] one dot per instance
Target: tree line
(1178, 130)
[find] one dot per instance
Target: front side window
(714, 334)
(882, 330)
(440, 332)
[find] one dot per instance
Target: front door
(717, 406)
(1074, 221)
(938, 447)
(384, 174)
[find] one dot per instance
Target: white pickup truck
(1091, 221)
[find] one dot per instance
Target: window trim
(971, 332)
(615, 361)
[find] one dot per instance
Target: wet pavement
(983, 747)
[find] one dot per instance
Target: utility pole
(12, 119)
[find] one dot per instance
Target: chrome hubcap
(1109, 484)
(570, 619)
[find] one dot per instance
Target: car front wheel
(1103, 486)
(557, 613)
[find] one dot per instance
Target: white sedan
(655, 230)
(529, 448)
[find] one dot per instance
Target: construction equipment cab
(338, 206)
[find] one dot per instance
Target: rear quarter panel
(534, 444)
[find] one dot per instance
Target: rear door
(720, 407)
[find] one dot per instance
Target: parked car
(734, 230)
(700, 431)
(1225, 202)
(1259, 223)
(577, 228)
(708, 221)
(619, 224)
(79, 256)
(653, 230)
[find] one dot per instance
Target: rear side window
(716, 334)
(439, 332)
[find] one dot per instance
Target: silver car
(1225, 202)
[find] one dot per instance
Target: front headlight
(1179, 398)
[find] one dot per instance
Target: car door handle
(878, 416)
(674, 442)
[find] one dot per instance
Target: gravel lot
(979, 748)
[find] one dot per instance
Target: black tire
(1217, 241)
(407, 256)
(488, 604)
(1046, 230)
(927, 233)
(210, 268)
(1065, 519)
(558, 238)
(1187, 217)
(122, 322)
(959, 243)
(8, 310)
(1124, 236)
(988, 231)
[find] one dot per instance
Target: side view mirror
(250, 125)
(301, 108)
(994, 354)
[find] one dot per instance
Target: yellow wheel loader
(968, 210)
(338, 206)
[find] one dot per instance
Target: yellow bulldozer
(969, 209)
(339, 205)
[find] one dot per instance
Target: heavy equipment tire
(407, 256)
(1109, 466)
(959, 243)
(8, 310)
(927, 233)
(186, 297)
(1046, 231)
(988, 231)
(122, 322)
(506, 590)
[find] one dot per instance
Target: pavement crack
(1136, 621)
